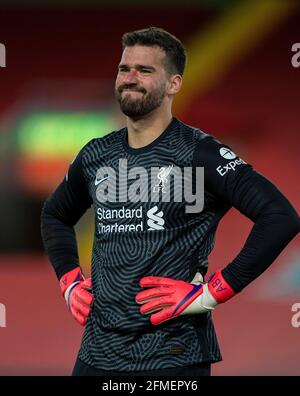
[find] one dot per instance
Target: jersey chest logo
(162, 176)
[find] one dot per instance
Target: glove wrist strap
(68, 279)
(219, 288)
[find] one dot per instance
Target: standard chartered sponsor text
(120, 214)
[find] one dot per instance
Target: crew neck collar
(149, 146)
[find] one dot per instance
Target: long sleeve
(60, 213)
(276, 222)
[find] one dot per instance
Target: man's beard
(141, 106)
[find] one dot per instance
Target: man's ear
(174, 84)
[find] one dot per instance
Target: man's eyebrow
(138, 67)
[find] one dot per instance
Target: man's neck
(144, 131)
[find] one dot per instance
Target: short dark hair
(150, 37)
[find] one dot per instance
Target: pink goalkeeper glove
(75, 288)
(173, 298)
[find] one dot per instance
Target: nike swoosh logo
(101, 180)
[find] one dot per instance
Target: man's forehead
(139, 54)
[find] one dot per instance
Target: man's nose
(131, 77)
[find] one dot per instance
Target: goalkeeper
(147, 306)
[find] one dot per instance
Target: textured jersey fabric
(198, 370)
(155, 236)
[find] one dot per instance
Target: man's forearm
(60, 213)
(60, 243)
(271, 233)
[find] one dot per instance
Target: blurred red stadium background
(64, 60)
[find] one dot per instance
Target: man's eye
(145, 71)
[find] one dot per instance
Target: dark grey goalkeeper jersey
(146, 223)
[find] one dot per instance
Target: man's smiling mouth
(130, 90)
